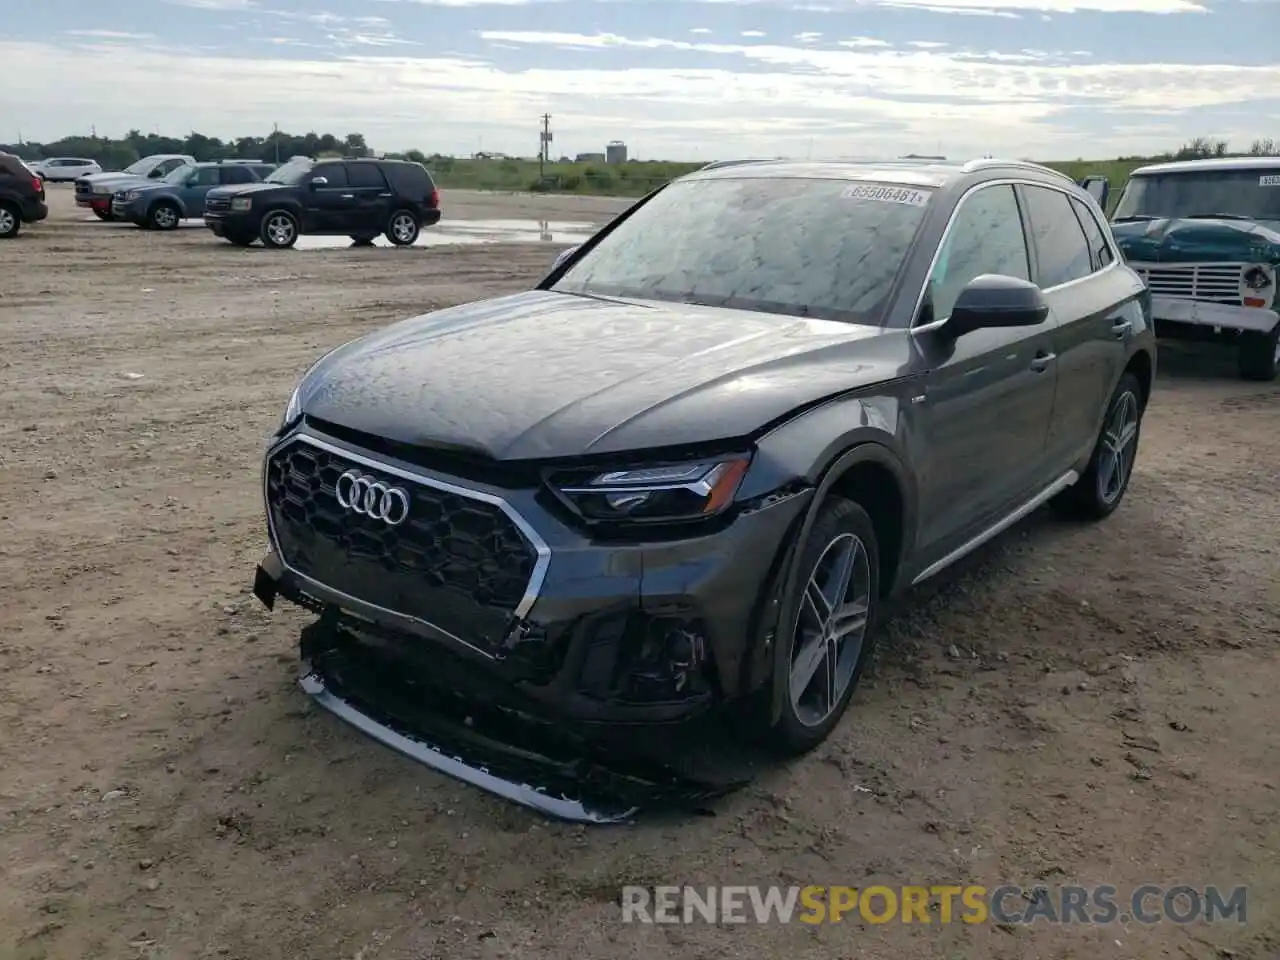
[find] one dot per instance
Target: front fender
(816, 450)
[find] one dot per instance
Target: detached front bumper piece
(353, 670)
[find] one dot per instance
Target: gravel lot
(1077, 705)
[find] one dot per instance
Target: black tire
(10, 221)
(103, 214)
(403, 227)
(363, 239)
(240, 239)
(1258, 355)
(839, 521)
(1096, 495)
(278, 230)
(164, 215)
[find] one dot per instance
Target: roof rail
(985, 163)
(716, 164)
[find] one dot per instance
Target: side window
(365, 175)
(206, 177)
(1061, 249)
(335, 173)
(1098, 246)
(235, 174)
(171, 165)
(986, 237)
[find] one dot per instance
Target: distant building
(589, 158)
(615, 152)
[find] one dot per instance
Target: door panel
(372, 197)
(989, 394)
(1083, 302)
(329, 207)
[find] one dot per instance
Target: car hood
(240, 189)
(99, 180)
(547, 375)
(1172, 240)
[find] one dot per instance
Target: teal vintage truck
(1205, 235)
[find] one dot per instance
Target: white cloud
(753, 33)
(834, 99)
(701, 30)
(110, 35)
(927, 44)
(807, 37)
(214, 4)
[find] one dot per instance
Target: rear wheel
(241, 239)
(10, 221)
(1099, 491)
(830, 639)
(403, 228)
(164, 215)
(1258, 356)
(103, 214)
(363, 239)
(279, 229)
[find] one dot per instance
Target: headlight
(654, 494)
(132, 195)
(241, 203)
(1258, 285)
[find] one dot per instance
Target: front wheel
(403, 228)
(830, 637)
(1099, 491)
(279, 229)
(164, 216)
(363, 239)
(240, 239)
(103, 214)
(1258, 356)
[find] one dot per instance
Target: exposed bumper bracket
(562, 808)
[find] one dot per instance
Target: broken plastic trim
(562, 808)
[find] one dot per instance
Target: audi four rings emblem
(372, 498)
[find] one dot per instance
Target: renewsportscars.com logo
(940, 904)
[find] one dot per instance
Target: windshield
(179, 174)
(802, 247)
(139, 167)
(292, 172)
(1252, 194)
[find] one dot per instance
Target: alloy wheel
(830, 629)
(281, 229)
(7, 221)
(403, 227)
(165, 217)
(1119, 443)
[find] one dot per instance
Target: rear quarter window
(409, 178)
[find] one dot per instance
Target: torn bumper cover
(598, 703)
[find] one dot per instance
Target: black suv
(686, 470)
(359, 198)
(21, 196)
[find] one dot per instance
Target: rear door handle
(1121, 329)
(348, 196)
(1042, 360)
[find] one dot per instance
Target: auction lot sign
(936, 904)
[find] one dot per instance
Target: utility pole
(275, 135)
(544, 151)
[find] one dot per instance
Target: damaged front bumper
(599, 698)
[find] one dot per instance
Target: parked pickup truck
(95, 191)
(1205, 236)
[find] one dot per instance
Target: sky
(683, 80)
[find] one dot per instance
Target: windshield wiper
(1215, 216)
(1132, 217)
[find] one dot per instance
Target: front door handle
(1042, 360)
(1120, 329)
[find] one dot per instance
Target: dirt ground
(1091, 705)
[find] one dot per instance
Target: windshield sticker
(1269, 180)
(862, 191)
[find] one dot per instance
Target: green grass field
(635, 178)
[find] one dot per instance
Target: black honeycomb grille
(456, 562)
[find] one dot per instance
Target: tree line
(115, 154)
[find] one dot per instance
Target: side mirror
(993, 300)
(563, 256)
(1097, 187)
(319, 182)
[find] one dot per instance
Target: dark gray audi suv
(680, 476)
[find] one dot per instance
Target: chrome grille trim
(1206, 282)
